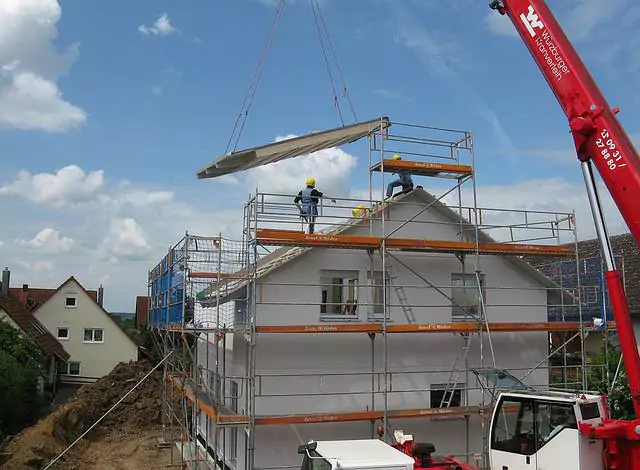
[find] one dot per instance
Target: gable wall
(97, 359)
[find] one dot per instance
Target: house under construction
(409, 314)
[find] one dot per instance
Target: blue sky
(132, 98)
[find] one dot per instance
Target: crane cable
(255, 81)
(319, 20)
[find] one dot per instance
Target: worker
(359, 212)
(404, 180)
(307, 203)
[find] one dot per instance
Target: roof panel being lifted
(291, 148)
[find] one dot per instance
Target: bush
(21, 369)
(619, 397)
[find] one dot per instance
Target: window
(63, 333)
(377, 298)
(522, 428)
(551, 418)
(233, 440)
(93, 335)
(315, 462)
(465, 296)
(339, 292)
(69, 368)
(513, 428)
(444, 396)
(70, 301)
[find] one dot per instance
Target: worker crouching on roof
(404, 180)
(307, 202)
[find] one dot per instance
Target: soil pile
(36, 446)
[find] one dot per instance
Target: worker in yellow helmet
(307, 202)
(359, 211)
(404, 180)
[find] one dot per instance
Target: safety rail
(277, 211)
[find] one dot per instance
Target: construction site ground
(127, 439)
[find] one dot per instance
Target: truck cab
(535, 431)
(353, 454)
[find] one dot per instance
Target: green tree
(619, 396)
(21, 370)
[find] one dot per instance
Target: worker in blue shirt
(404, 180)
(307, 202)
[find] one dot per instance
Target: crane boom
(599, 140)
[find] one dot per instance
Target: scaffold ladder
(399, 290)
(454, 377)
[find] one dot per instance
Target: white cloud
(161, 27)
(49, 241)
(141, 198)
(68, 186)
(30, 67)
(551, 194)
(157, 90)
(126, 240)
(39, 266)
(329, 167)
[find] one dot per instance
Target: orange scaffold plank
(423, 168)
(293, 238)
(206, 408)
(204, 275)
(458, 327)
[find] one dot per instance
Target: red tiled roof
(33, 297)
(32, 327)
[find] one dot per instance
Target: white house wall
(339, 365)
(96, 359)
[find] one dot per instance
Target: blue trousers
(395, 183)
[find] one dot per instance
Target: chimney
(6, 279)
(25, 287)
(101, 295)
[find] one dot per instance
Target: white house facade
(330, 374)
(94, 341)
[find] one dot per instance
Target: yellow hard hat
(396, 157)
(311, 182)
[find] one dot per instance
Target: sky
(109, 108)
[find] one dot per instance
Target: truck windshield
(315, 463)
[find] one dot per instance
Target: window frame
(93, 340)
(467, 283)
(441, 388)
(376, 280)
(62, 338)
(345, 306)
(67, 368)
(68, 297)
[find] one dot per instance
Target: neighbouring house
(326, 375)
(14, 312)
(589, 274)
(94, 340)
(142, 310)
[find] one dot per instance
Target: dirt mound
(36, 446)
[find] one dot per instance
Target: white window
(465, 296)
(93, 335)
(63, 333)
(377, 297)
(69, 368)
(70, 301)
(339, 293)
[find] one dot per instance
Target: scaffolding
(212, 296)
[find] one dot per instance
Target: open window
(445, 395)
(378, 293)
(339, 293)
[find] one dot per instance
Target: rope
(255, 81)
(326, 60)
(335, 59)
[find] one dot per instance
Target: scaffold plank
(458, 327)
(423, 168)
(204, 275)
(279, 237)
